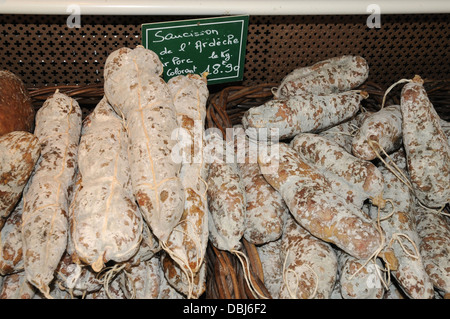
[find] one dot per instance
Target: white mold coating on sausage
(427, 150)
(337, 74)
(383, 127)
(282, 119)
(136, 91)
(45, 211)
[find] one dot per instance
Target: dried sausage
(45, 223)
(282, 119)
(105, 221)
(354, 179)
(333, 75)
(136, 91)
(427, 150)
(324, 214)
(19, 151)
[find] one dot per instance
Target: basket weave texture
(225, 109)
(227, 276)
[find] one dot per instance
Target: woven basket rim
(86, 93)
(219, 108)
(250, 91)
(219, 111)
(220, 114)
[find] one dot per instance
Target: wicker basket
(87, 96)
(226, 274)
(227, 106)
(225, 109)
(227, 277)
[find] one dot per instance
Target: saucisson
(379, 131)
(324, 214)
(426, 147)
(354, 179)
(19, 152)
(308, 113)
(45, 222)
(336, 74)
(136, 91)
(105, 221)
(309, 264)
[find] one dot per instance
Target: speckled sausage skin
(446, 128)
(434, 234)
(353, 178)
(19, 152)
(226, 202)
(177, 278)
(410, 273)
(427, 150)
(190, 237)
(45, 210)
(136, 91)
(75, 278)
(383, 127)
(11, 253)
(301, 114)
(318, 209)
(272, 265)
(299, 249)
(343, 133)
(143, 281)
(394, 292)
(333, 75)
(265, 210)
(398, 158)
(16, 286)
(105, 221)
(115, 290)
(358, 280)
(148, 247)
(166, 291)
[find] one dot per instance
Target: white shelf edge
(229, 7)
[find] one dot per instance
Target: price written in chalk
(212, 45)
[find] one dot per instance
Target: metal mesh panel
(43, 50)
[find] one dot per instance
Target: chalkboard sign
(212, 45)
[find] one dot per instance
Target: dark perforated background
(44, 51)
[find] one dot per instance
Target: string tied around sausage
(400, 174)
(69, 280)
(62, 288)
(45, 290)
(379, 251)
(396, 237)
(200, 252)
(389, 89)
(107, 274)
(393, 168)
(247, 275)
(182, 262)
(285, 280)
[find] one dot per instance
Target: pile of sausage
(340, 202)
(103, 207)
(366, 191)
